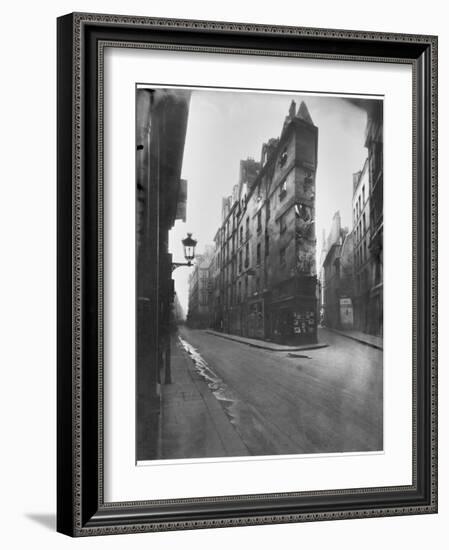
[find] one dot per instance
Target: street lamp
(189, 245)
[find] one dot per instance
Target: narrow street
(322, 400)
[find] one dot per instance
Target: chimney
(292, 110)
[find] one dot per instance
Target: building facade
(367, 210)
(199, 314)
(337, 277)
(160, 199)
(264, 276)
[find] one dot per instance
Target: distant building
(337, 277)
(199, 315)
(367, 206)
(215, 311)
(264, 278)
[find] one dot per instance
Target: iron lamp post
(189, 245)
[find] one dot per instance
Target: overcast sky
(227, 126)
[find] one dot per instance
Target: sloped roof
(304, 114)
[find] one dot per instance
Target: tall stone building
(161, 117)
(265, 275)
(367, 206)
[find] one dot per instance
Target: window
(268, 209)
(258, 253)
(241, 234)
(282, 257)
(363, 195)
(283, 158)
(267, 245)
(337, 267)
(259, 221)
(364, 223)
(247, 228)
(283, 189)
(282, 223)
(308, 180)
(247, 255)
(240, 260)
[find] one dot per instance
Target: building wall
(362, 258)
(374, 144)
(266, 244)
(158, 186)
(368, 229)
(199, 313)
(347, 282)
(338, 277)
(331, 287)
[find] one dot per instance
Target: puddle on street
(218, 387)
(245, 419)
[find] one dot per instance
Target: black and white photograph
(247, 284)
(259, 333)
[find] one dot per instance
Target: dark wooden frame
(81, 509)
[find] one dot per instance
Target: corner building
(265, 273)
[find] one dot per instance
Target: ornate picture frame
(82, 509)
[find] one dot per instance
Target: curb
(261, 346)
(341, 333)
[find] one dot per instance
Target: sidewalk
(359, 336)
(263, 344)
(193, 423)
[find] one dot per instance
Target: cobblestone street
(243, 400)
